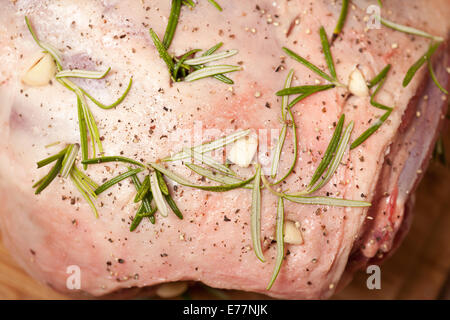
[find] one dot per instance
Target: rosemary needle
(214, 176)
(172, 23)
(83, 132)
(173, 206)
(434, 78)
(43, 183)
(158, 195)
(280, 242)
(327, 52)
(162, 51)
(329, 152)
(255, 224)
(341, 21)
(419, 63)
(162, 183)
(209, 71)
(115, 103)
(327, 201)
(210, 57)
(142, 190)
(82, 74)
(51, 159)
(115, 180)
(69, 159)
(221, 188)
(215, 4)
(112, 159)
(80, 188)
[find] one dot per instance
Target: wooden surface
(418, 270)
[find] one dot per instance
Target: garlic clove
(41, 71)
(242, 151)
(292, 234)
(171, 289)
(357, 84)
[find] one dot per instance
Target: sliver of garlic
(357, 84)
(41, 71)
(292, 234)
(243, 150)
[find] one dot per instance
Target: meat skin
(46, 234)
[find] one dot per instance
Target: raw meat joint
(265, 146)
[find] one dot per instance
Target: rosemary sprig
(172, 23)
(255, 224)
(425, 58)
(112, 105)
(341, 20)
(108, 184)
(280, 243)
(379, 79)
(182, 61)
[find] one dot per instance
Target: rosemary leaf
(209, 71)
(46, 47)
(115, 180)
(157, 194)
(327, 201)
(306, 95)
(303, 89)
(327, 51)
(419, 63)
(329, 152)
(178, 179)
(341, 20)
(162, 50)
(88, 182)
(212, 49)
(79, 186)
(69, 159)
(341, 147)
(49, 177)
(142, 190)
(256, 215)
(379, 77)
(162, 184)
(201, 157)
(83, 133)
(307, 64)
(210, 146)
(285, 99)
(215, 176)
(280, 242)
(115, 103)
(189, 3)
(409, 30)
(145, 210)
(435, 80)
(211, 57)
(172, 23)
(112, 159)
(277, 152)
(53, 158)
(215, 4)
(173, 206)
(82, 74)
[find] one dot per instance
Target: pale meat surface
(47, 234)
